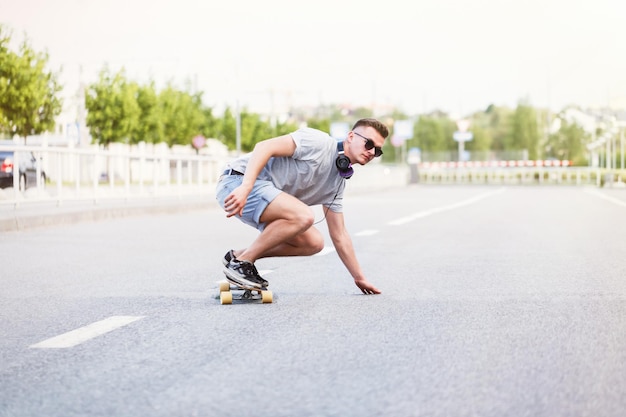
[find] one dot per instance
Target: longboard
(232, 291)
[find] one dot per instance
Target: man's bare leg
(289, 231)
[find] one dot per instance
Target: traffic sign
(462, 136)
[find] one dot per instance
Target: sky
(457, 56)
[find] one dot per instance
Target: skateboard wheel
(267, 297)
(226, 297)
(224, 285)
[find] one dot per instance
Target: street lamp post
(621, 141)
(238, 128)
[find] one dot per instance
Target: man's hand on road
(366, 287)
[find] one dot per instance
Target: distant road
(496, 302)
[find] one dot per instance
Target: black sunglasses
(369, 144)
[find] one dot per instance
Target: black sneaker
(244, 273)
(230, 255)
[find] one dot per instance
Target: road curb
(55, 216)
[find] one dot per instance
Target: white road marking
(367, 233)
(83, 334)
(325, 251)
(606, 197)
(419, 215)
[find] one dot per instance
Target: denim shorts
(262, 194)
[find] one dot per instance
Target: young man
(272, 188)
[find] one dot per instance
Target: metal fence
(66, 173)
(62, 173)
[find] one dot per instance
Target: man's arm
(263, 151)
(343, 244)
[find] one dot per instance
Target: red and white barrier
(496, 164)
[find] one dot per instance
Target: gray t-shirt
(310, 174)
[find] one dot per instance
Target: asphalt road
(496, 302)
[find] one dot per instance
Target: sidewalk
(30, 215)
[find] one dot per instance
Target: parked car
(27, 170)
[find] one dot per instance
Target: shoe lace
(250, 269)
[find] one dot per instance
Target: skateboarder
(272, 187)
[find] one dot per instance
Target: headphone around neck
(343, 164)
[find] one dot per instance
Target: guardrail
(506, 174)
(95, 174)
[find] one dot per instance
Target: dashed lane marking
(367, 233)
(83, 334)
(325, 251)
(606, 197)
(463, 203)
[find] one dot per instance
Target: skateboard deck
(232, 291)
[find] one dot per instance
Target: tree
(320, 124)
(183, 115)
(480, 127)
(498, 123)
(525, 133)
(5, 56)
(568, 143)
(210, 125)
(481, 141)
(228, 131)
(253, 129)
(149, 128)
(28, 92)
(361, 113)
(112, 109)
(283, 128)
(430, 135)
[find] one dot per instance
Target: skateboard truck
(231, 291)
